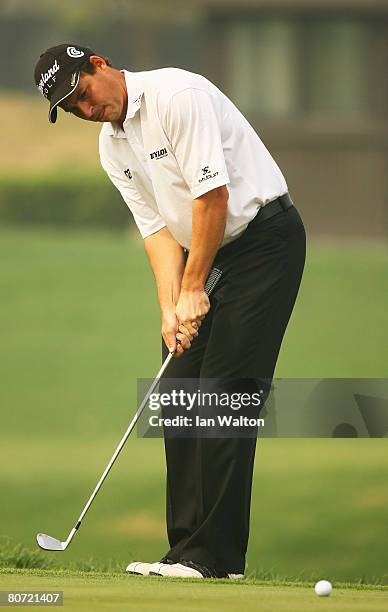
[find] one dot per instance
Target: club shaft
(211, 282)
(124, 438)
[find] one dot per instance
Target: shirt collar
(135, 92)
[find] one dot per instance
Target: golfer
(204, 191)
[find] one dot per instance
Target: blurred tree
(137, 34)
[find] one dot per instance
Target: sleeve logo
(207, 174)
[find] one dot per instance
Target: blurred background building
(310, 75)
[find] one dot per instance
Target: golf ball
(323, 588)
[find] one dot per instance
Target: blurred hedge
(62, 200)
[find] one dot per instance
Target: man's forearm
(167, 262)
(208, 228)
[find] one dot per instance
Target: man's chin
(105, 116)
(109, 117)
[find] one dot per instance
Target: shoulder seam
(189, 87)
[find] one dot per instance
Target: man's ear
(98, 61)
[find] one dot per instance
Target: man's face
(101, 96)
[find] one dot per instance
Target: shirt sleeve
(145, 214)
(193, 130)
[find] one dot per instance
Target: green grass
(119, 592)
(79, 324)
(339, 328)
(318, 507)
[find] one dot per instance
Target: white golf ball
(323, 588)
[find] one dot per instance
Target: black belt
(282, 203)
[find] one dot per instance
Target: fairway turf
(80, 324)
(100, 593)
(319, 507)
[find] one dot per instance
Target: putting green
(102, 592)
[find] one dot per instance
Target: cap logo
(44, 84)
(74, 52)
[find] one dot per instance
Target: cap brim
(61, 94)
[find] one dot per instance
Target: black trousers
(209, 480)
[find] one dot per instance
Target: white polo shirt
(183, 137)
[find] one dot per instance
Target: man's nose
(86, 109)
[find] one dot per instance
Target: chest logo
(128, 173)
(159, 154)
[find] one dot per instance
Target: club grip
(211, 281)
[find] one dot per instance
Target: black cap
(57, 73)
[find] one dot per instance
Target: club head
(48, 543)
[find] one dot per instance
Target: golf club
(49, 543)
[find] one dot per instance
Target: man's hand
(173, 330)
(192, 306)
